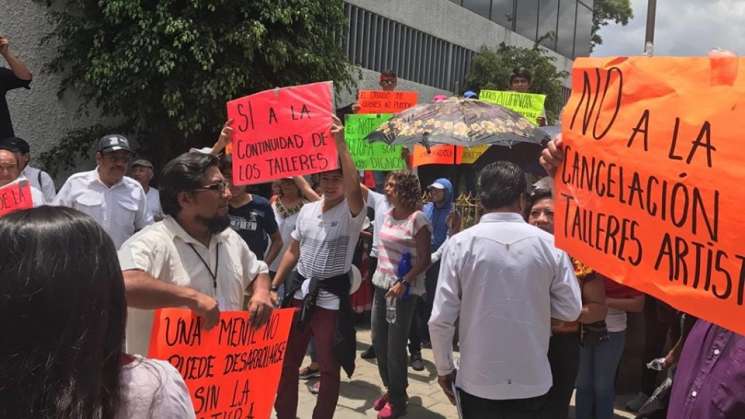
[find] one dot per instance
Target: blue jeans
(596, 379)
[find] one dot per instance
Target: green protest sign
(529, 105)
(366, 155)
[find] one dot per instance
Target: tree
(606, 11)
(491, 69)
(163, 70)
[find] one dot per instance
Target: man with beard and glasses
(116, 202)
(191, 258)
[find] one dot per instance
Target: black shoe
(369, 353)
(416, 363)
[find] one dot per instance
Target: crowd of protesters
(81, 273)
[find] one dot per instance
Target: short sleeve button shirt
(120, 210)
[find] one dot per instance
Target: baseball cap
(437, 185)
(113, 142)
(143, 163)
(469, 94)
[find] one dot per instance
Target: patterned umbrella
(457, 121)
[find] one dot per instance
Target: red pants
(322, 326)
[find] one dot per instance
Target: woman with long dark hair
(63, 314)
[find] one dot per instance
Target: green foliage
(606, 11)
(491, 69)
(163, 70)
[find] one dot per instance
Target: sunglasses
(215, 187)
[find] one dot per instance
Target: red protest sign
(385, 101)
(232, 370)
(282, 132)
(437, 154)
(15, 196)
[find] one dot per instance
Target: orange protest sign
(383, 101)
(649, 193)
(233, 369)
(438, 154)
(282, 132)
(15, 196)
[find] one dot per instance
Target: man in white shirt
(191, 258)
(322, 246)
(38, 178)
(115, 201)
(142, 171)
(10, 173)
(504, 280)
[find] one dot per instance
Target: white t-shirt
(379, 203)
(153, 204)
(170, 254)
(327, 243)
(285, 226)
(153, 389)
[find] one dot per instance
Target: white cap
(437, 185)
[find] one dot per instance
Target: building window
(548, 16)
(565, 37)
(480, 7)
(526, 23)
(583, 34)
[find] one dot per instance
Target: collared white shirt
(120, 210)
(170, 254)
(41, 181)
(505, 280)
(153, 204)
(327, 242)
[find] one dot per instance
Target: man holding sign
(10, 174)
(191, 258)
(322, 246)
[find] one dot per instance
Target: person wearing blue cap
(118, 203)
(470, 94)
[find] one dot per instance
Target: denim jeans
(389, 341)
(596, 379)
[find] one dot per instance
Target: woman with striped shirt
(405, 230)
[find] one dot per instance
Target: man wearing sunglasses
(191, 258)
(116, 202)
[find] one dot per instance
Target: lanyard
(206, 265)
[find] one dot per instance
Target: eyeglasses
(387, 81)
(117, 158)
(215, 187)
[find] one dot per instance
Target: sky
(683, 28)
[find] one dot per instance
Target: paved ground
(426, 400)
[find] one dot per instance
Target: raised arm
(17, 66)
(225, 137)
(352, 189)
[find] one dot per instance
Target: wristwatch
(405, 282)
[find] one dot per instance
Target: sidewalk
(426, 399)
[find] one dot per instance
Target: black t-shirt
(8, 81)
(254, 222)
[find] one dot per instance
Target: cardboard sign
(383, 101)
(439, 154)
(471, 154)
(366, 155)
(282, 132)
(529, 105)
(650, 193)
(15, 196)
(232, 370)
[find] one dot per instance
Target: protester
(142, 171)
(405, 230)
(62, 301)
(118, 203)
(191, 258)
(15, 77)
(564, 345)
(505, 319)
(520, 81)
(445, 221)
(252, 217)
(322, 246)
(38, 178)
(10, 173)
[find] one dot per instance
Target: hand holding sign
(282, 132)
(15, 196)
